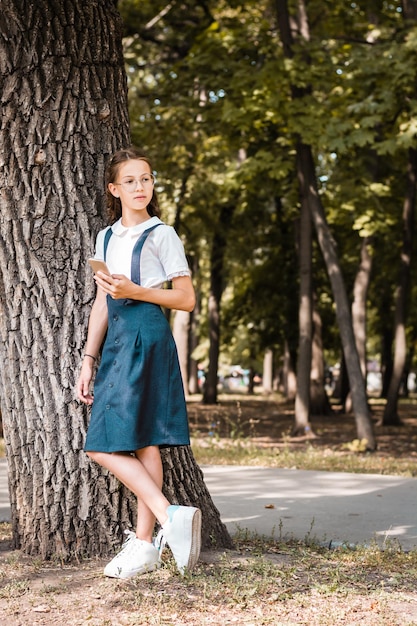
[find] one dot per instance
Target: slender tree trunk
(63, 98)
(400, 353)
(360, 293)
(193, 342)
(214, 302)
(268, 371)
(308, 183)
(289, 379)
(319, 401)
(356, 380)
(180, 330)
(305, 321)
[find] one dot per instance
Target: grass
(245, 452)
(261, 582)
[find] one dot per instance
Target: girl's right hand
(83, 385)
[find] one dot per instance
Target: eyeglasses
(131, 184)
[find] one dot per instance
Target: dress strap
(107, 236)
(135, 267)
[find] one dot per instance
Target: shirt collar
(122, 231)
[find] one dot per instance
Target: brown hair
(114, 206)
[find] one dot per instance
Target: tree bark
(289, 379)
(360, 293)
(180, 330)
(268, 371)
(184, 484)
(214, 302)
(400, 343)
(364, 426)
(319, 401)
(308, 182)
(64, 109)
(302, 424)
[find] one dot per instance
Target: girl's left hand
(117, 285)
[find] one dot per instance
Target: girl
(138, 403)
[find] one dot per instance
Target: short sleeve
(171, 252)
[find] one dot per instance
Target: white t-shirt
(162, 258)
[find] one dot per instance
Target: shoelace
(160, 542)
(129, 537)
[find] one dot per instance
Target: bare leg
(150, 458)
(132, 472)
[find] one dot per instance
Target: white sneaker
(182, 532)
(135, 557)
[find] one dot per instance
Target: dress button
(114, 362)
(107, 407)
(111, 385)
(116, 341)
(115, 317)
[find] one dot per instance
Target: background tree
(226, 87)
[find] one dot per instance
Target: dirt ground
(268, 423)
(254, 584)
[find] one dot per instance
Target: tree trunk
(400, 350)
(360, 293)
(214, 302)
(64, 111)
(308, 184)
(180, 330)
(289, 379)
(305, 322)
(184, 483)
(268, 371)
(364, 426)
(193, 365)
(319, 401)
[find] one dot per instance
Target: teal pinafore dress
(138, 393)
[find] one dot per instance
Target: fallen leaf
(270, 506)
(42, 608)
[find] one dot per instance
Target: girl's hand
(117, 286)
(83, 385)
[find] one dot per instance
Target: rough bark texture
(63, 102)
(184, 484)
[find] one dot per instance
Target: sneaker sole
(195, 540)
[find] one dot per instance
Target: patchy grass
(256, 431)
(230, 452)
(261, 581)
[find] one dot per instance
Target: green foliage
(211, 101)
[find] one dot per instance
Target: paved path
(325, 506)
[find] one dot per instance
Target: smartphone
(97, 265)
